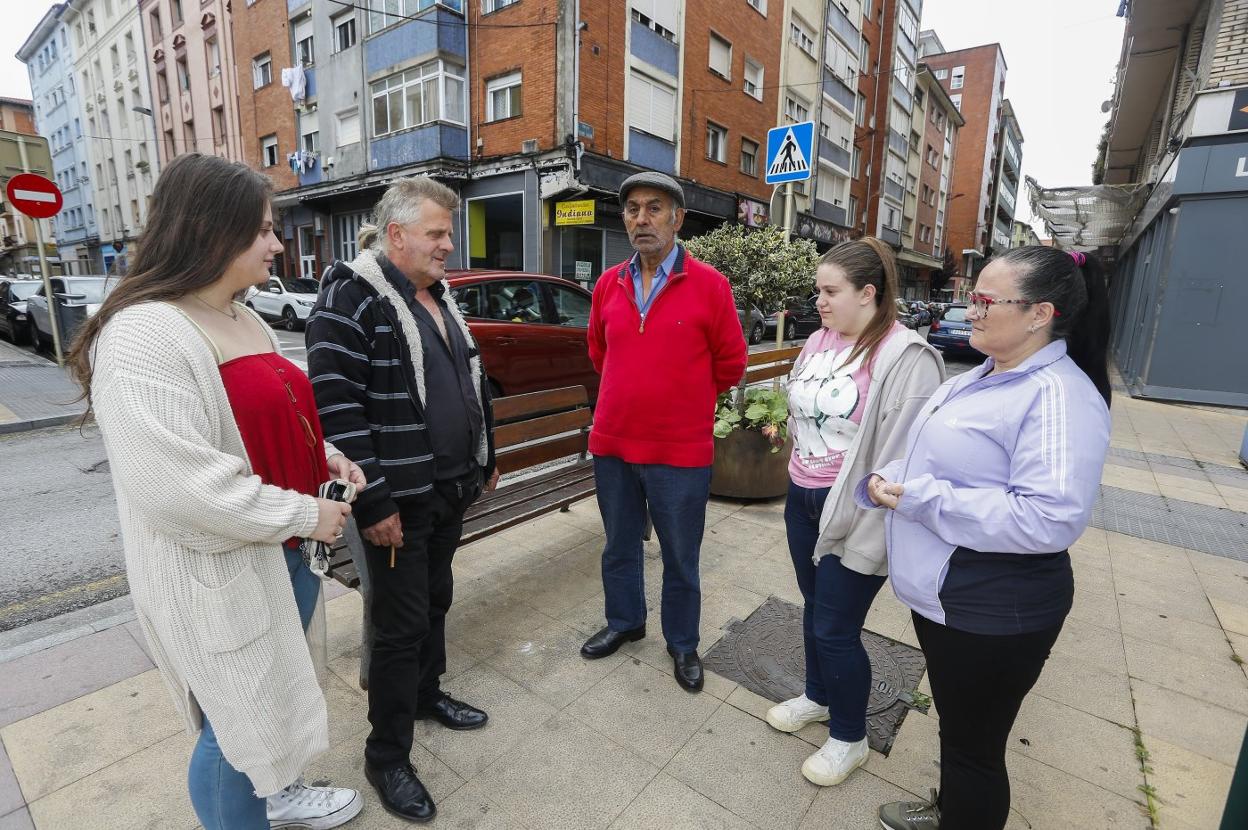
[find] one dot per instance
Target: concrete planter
(746, 468)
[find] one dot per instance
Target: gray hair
(401, 204)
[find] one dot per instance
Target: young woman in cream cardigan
(216, 451)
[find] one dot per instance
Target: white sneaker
(834, 761)
(795, 713)
(314, 808)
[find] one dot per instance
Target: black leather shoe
(453, 714)
(607, 642)
(688, 670)
(401, 792)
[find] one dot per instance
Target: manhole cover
(764, 653)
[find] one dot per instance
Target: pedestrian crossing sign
(790, 148)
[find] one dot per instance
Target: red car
(531, 329)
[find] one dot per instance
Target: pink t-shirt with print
(827, 397)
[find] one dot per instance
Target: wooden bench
(529, 430)
(768, 364)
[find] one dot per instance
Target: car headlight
(20, 317)
(306, 303)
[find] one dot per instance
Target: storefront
(824, 234)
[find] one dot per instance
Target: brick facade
(500, 51)
(260, 28)
(1230, 56)
(602, 76)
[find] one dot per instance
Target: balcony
(834, 154)
(836, 89)
(1006, 198)
(431, 141)
(906, 48)
(651, 152)
(897, 143)
(1011, 154)
(654, 49)
(891, 235)
(843, 27)
(895, 190)
(902, 95)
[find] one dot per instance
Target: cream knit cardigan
(202, 540)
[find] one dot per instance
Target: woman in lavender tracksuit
(999, 476)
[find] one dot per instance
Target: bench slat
(520, 458)
(544, 426)
(767, 372)
(495, 522)
(514, 407)
(510, 495)
(773, 355)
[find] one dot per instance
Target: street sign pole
(788, 233)
(43, 269)
(790, 149)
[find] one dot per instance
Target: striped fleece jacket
(366, 362)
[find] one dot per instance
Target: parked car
(531, 329)
(753, 327)
(801, 318)
(14, 322)
(284, 300)
(951, 334)
(78, 298)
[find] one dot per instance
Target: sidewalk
(37, 393)
(1147, 663)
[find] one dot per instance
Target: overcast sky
(1061, 56)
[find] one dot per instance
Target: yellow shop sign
(575, 213)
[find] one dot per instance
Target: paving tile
(855, 802)
(1227, 588)
(641, 709)
(344, 619)
(1096, 608)
(11, 797)
(1147, 560)
(60, 746)
(480, 625)
(1188, 494)
(547, 661)
(347, 708)
(667, 803)
(913, 764)
(549, 536)
(1220, 682)
(1088, 641)
(1139, 480)
(1207, 564)
(1166, 599)
(514, 712)
(1154, 626)
(565, 775)
(1183, 479)
(1190, 787)
(1083, 745)
(45, 679)
(555, 586)
(1231, 615)
(19, 819)
(147, 789)
(1203, 728)
(1047, 798)
(1086, 686)
(743, 764)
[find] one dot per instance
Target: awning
(1088, 217)
(918, 260)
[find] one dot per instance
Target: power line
(430, 20)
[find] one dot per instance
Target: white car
(287, 301)
(80, 297)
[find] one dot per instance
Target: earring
(1031, 329)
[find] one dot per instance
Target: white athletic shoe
(314, 808)
(793, 714)
(834, 761)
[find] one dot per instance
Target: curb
(38, 423)
(42, 635)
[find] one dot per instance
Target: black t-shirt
(1007, 593)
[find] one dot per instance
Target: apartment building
(117, 121)
(21, 149)
(190, 65)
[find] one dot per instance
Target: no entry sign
(34, 195)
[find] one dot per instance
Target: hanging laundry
(294, 79)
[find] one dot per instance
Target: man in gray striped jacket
(401, 392)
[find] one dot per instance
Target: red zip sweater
(661, 374)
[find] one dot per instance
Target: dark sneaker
(911, 815)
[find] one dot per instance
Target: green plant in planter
(762, 409)
(760, 266)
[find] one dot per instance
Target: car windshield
(23, 290)
(302, 285)
(93, 290)
(957, 314)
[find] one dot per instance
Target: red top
(276, 414)
(656, 403)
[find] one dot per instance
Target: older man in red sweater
(665, 336)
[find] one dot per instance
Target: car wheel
(289, 319)
(790, 330)
(756, 334)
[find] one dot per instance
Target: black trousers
(408, 611)
(978, 684)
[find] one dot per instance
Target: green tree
(762, 268)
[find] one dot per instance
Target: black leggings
(978, 684)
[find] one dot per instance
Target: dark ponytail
(1075, 285)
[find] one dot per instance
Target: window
(795, 110)
(346, 229)
(496, 240)
(305, 51)
(759, 6)
(162, 87)
(861, 117)
(430, 92)
(571, 307)
(864, 52)
(184, 75)
(930, 156)
(309, 133)
(749, 157)
(856, 164)
(841, 61)
(344, 31)
(154, 21)
(213, 51)
(940, 74)
(175, 7)
(502, 97)
(652, 107)
(130, 54)
(268, 151)
(753, 79)
(488, 6)
(114, 55)
(957, 101)
(720, 59)
(716, 142)
(218, 126)
(348, 128)
(513, 301)
(262, 70)
(802, 35)
(912, 182)
(383, 13)
(657, 15)
(958, 78)
(909, 26)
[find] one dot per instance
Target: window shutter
(720, 57)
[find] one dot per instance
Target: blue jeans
(223, 797)
(676, 498)
(838, 671)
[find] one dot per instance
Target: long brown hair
(204, 212)
(868, 261)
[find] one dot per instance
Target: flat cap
(659, 181)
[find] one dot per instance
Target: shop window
(581, 252)
(496, 232)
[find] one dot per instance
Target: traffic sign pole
(53, 318)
